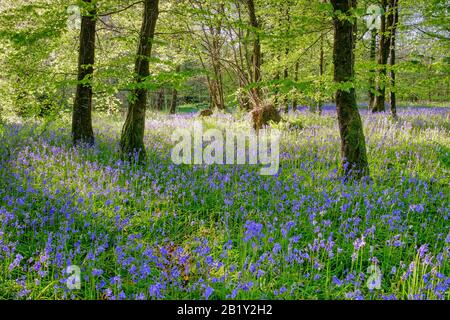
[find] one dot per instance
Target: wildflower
(155, 290)
(418, 208)
(208, 292)
(16, 262)
(253, 230)
(359, 243)
(97, 272)
(276, 248)
(122, 295)
(422, 250)
(116, 280)
(140, 296)
(336, 281)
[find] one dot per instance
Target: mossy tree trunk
(262, 112)
(353, 147)
(394, 8)
(82, 108)
(132, 138)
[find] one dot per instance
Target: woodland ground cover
(165, 231)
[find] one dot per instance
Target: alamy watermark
(73, 282)
(231, 147)
(374, 279)
(373, 17)
(74, 17)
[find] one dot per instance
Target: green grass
(227, 228)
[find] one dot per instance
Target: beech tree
(353, 147)
(262, 112)
(132, 138)
(383, 55)
(82, 107)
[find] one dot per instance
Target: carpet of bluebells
(165, 231)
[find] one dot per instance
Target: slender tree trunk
(373, 55)
(256, 55)
(321, 69)
(218, 81)
(82, 107)
(173, 103)
(287, 7)
(262, 113)
(160, 99)
(132, 139)
(277, 87)
(353, 147)
(286, 76)
(294, 101)
(394, 6)
(383, 54)
(321, 73)
(243, 98)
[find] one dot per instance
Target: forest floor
(165, 231)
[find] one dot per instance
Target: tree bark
(173, 102)
(286, 76)
(82, 108)
(373, 55)
(394, 6)
(256, 55)
(262, 113)
(321, 73)
(383, 54)
(160, 99)
(132, 138)
(294, 101)
(217, 81)
(353, 147)
(287, 7)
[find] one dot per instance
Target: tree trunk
(82, 108)
(132, 138)
(394, 6)
(294, 101)
(262, 113)
(216, 93)
(286, 76)
(383, 54)
(160, 99)
(321, 73)
(243, 98)
(173, 103)
(219, 101)
(277, 87)
(256, 55)
(287, 7)
(373, 55)
(353, 148)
